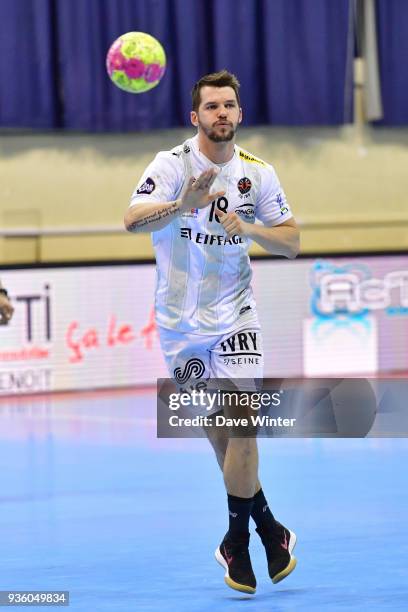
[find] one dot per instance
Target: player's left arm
(279, 233)
(283, 239)
(280, 239)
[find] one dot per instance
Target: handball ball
(136, 62)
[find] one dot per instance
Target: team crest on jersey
(147, 187)
(250, 158)
(186, 149)
(244, 185)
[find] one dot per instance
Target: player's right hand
(197, 194)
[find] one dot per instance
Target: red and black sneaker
(279, 543)
(233, 555)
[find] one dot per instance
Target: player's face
(218, 114)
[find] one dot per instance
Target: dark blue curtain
(28, 94)
(290, 56)
(392, 26)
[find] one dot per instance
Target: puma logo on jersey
(244, 309)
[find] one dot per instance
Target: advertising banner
(92, 327)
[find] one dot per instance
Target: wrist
(182, 206)
(249, 229)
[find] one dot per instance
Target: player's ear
(240, 115)
(194, 118)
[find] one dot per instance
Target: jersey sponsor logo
(193, 368)
(241, 349)
(246, 210)
(217, 239)
(250, 158)
(244, 185)
(241, 342)
(192, 213)
(147, 187)
(281, 203)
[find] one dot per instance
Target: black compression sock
(239, 510)
(261, 513)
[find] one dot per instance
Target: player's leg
(238, 459)
(237, 454)
(218, 438)
(278, 541)
(188, 358)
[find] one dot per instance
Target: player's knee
(244, 447)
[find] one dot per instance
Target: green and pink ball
(136, 62)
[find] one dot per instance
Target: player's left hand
(6, 309)
(232, 224)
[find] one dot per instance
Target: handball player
(200, 201)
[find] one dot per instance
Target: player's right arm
(151, 217)
(154, 216)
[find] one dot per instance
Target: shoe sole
(243, 588)
(292, 563)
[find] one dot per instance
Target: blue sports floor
(93, 503)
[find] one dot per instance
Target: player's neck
(217, 152)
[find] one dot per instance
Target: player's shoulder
(258, 168)
(181, 149)
(250, 159)
(173, 156)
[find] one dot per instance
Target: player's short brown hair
(223, 78)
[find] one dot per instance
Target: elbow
(126, 222)
(293, 253)
(293, 248)
(130, 225)
(129, 228)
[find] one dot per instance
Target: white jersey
(203, 277)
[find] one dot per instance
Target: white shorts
(237, 356)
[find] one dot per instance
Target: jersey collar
(194, 144)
